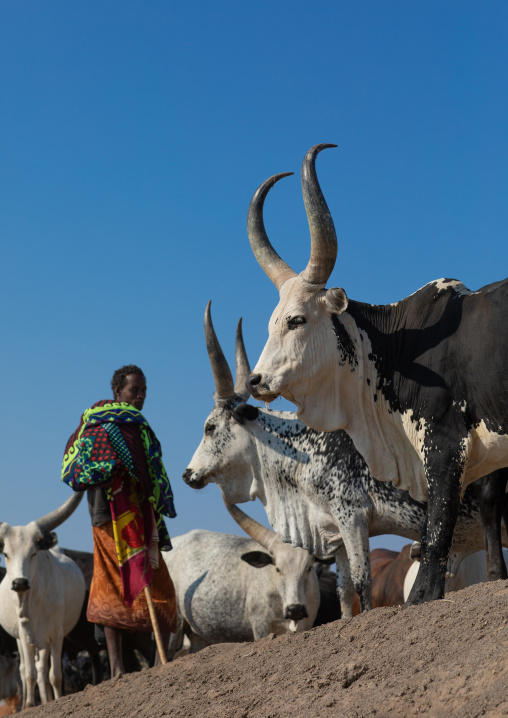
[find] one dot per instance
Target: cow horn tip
(281, 175)
(324, 146)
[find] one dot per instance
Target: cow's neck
(292, 458)
(386, 437)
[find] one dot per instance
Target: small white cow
(40, 599)
(471, 569)
(234, 588)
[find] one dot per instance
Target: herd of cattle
(418, 386)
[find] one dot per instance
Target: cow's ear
(336, 300)
(245, 411)
(47, 541)
(258, 559)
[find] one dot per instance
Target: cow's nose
(254, 379)
(189, 476)
(20, 584)
(296, 611)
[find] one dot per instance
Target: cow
(234, 588)
(389, 569)
(420, 385)
(470, 569)
(317, 490)
(41, 598)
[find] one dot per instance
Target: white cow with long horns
(419, 385)
(40, 599)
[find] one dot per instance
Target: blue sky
(133, 135)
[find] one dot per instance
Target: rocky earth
(447, 658)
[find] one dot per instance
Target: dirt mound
(446, 658)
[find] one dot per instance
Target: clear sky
(133, 135)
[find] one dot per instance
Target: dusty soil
(447, 658)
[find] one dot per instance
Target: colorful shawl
(115, 448)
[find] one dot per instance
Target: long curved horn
(242, 364)
(272, 265)
(224, 385)
(323, 248)
(58, 516)
(264, 536)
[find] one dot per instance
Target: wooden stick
(155, 626)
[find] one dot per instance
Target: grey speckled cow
(234, 588)
(316, 488)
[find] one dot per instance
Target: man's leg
(114, 644)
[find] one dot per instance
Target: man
(115, 455)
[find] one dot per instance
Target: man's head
(129, 385)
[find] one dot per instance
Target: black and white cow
(420, 385)
(316, 488)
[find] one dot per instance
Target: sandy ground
(447, 658)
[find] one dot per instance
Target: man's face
(134, 391)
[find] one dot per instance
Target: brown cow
(389, 570)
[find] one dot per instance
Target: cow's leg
(22, 668)
(490, 492)
(176, 639)
(55, 671)
(344, 584)
(42, 664)
(356, 541)
(197, 643)
(27, 656)
(443, 508)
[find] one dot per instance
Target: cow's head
(296, 578)
(22, 545)
(306, 340)
(227, 451)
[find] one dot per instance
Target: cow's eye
(294, 322)
(209, 429)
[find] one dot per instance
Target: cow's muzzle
(296, 611)
(193, 483)
(20, 585)
(258, 389)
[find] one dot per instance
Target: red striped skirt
(106, 605)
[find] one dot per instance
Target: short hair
(119, 379)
